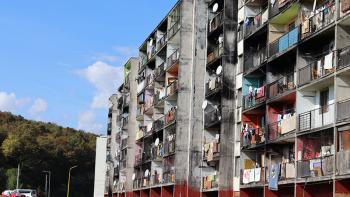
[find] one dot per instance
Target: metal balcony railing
(282, 85)
(158, 96)
(149, 79)
(213, 85)
(151, 52)
(316, 118)
(284, 42)
(343, 110)
(137, 183)
(212, 117)
(253, 23)
(287, 171)
(174, 29)
(316, 70)
(162, 41)
(169, 177)
(343, 162)
(317, 167)
(215, 22)
(278, 129)
(319, 20)
(157, 152)
(343, 58)
(158, 124)
(173, 58)
(252, 100)
(156, 179)
(254, 58)
(169, 147)
(147, 154)
(138, 159)
(252, 176)
(143, 62)
(159, 71)
(215, 54)
(172, 88)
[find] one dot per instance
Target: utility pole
(47, 183)
(18, 173)
(70, 169)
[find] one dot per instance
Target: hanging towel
(328, 61)
(273, 177)
(257, 174)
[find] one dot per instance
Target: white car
(26, 192)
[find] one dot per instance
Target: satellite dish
(156, 142)
(205, 104)
(133, 176)
(219, 70)
(215, 7)
(147, 173)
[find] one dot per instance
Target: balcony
(317, 69)
(344, 7)
(316, 118)
(138, 159)
(343, 162)
(156, 179)
(149, 80)
(169, 177)
(161, 42)
(282, 127)
(256, 97)
(140, 86)
(170, 116)
(159, 96)
(253, 23)
(173, 58)
(279, 7)
(159, 71)
(254, 58)
(142, 63)
(315, 168)
(215, 54)
(282, 85)
(318, 20)
(343, 58)
(137, 183)
(212, 151)
(125, 122)
(172, 88)
(343, 110)
(174, 29)
(140, 133)
(216, 22)
(284, 42)
(212, 117)
(169, 146)
(158, 124)
(287, 171)
(157, 153)
(210, 182)
(254, 176)
(252, 136)
(213, 86)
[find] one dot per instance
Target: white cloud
(87, 122)
(104, 57)
(39, 106)
(105, 78)
(125, 51)
(9, 102)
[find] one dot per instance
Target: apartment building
(295, 91)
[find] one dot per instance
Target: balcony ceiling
(286, 16)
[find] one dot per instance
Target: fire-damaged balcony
(212, 115)
(343, 58)
(284, 42)
(316, 118)
(314, 21)
(215, 55)
(279, 87)
(213, 86)
(216, 23)
(254, 57)
(318, 69)
(253, 23)
(316, 156)
(169, 169)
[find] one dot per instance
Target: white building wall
(100, 166)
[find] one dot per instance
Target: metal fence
(316, 118)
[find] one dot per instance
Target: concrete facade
(100, 167)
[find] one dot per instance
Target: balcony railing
(162, 41)
(253, 23)
(254, 58)
(316, 118)
(317, 69)
(170, 116)
(282, 85)
(213, 85)
(149, 79)
(157, 152)
(212, 117)
(215, 54)
(215, 22)
(280, 128)
(124, 143)
(343, 162)
(172, 88)
(287, 171)
(156, 179)
(151, 52)
(343, 110)
(138, 159)
(252, 176)
(317, 167)
(254, 99)
(279, 6)
(143, 62)
(158, 96)
(169, 147)
(173, 29)
(173, 58)
(284, 42)
(252, 136)
(210, 182)
(169, 177)
(344, 58)
(323, 17)
(158, 124)
(137, 183)
(159, 71)
(141, 86)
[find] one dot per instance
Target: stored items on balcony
(252, 135)
(171, 115)
(210, 182)
(255, 96)
(211, 150)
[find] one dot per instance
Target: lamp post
(70, 169)
(47, 187)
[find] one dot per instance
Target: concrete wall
(100, 166)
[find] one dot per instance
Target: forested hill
(39, 146)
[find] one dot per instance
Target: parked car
(6, 193)
(16, 194)
(25, 193)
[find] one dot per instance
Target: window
(324, 97)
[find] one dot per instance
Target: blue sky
(59, 60)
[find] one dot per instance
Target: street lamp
(70, 169)
(48, 191)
